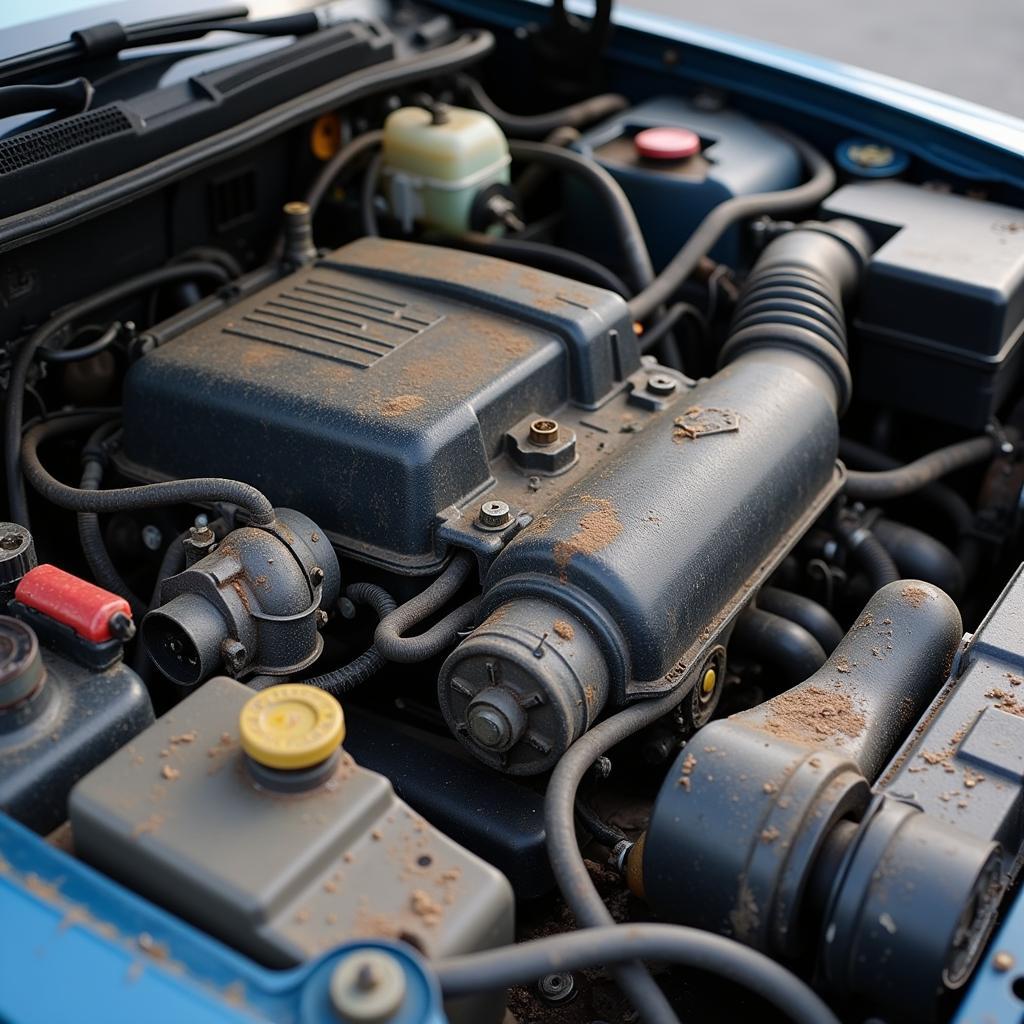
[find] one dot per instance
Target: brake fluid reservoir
(242, 813)
(447, 167)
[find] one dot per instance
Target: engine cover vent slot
(33, 147)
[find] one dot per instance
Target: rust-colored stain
(597, 529)
(812, 715)
(399, 405)
(914, 596)
(563, 629)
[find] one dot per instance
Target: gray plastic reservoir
(183, 816)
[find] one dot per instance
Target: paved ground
(973, 49)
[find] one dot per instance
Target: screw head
(661, 384)
(494, 515)
(557, 988)
(316, 575)
(1003, 961)
(234, 654)
(367, 987)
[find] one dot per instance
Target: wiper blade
(110, 38)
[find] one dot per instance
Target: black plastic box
(941, 314)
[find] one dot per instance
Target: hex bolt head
(557, 988)
(494, 515)
(543, 432)
(367, 987)
(234, 654)
(661, 384)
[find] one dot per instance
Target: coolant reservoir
(447, 168)
(243, 814)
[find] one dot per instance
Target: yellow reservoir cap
(291, 726)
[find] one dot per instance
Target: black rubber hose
(947, 501)
(908, 479)
(786, 647)
(815, 618)
(388, 638)
(574, 881)
(552, 258)
(599, 829)
(90, 535)
(698, 950)
(620, 213)
(87, 351)
(868, 552)
(346, 156)
(821, 181)
(533, 177)
(14, 412)
(123, 499)
(536, 126)
(366, 665)
(70, 97)
(919, 556)
(794, 297)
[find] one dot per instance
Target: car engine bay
(565, 561)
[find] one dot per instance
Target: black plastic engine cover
(374, 389)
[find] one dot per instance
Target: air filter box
(376, 389)
(942, 304)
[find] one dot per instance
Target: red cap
(667, 143)
(86, 608)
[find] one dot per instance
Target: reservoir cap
(667, 143)
(291, 726)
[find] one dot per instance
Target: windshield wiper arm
(111, 37)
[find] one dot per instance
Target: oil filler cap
(291, 726)
(667, 143)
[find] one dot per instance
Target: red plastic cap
(83, 606)
(667, 143)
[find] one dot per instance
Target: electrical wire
(571, 875)
(821, 181)
(13, 413)
(124, 499)
(536, 126)
(621, 217)
(495, 969)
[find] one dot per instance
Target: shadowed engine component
(254, 604)
(608, 593)
(788, 851)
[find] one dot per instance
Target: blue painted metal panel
(76, 946)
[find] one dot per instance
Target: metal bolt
(661, 384)
(495, 719)
(152, 537)
(543, 432)
(489, 727)
(321, 618)
(234, 654)
(557, 988)
(316, 575)
(494, 515)
(1003, 961)
(202, 519)
(367, 987)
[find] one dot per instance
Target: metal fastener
(494, 515)
(661, 384)
(367, 987)
(316, 575)
(557, 988)
(321, 618)
(543, 432)
(1003, 961)
(234, 654)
